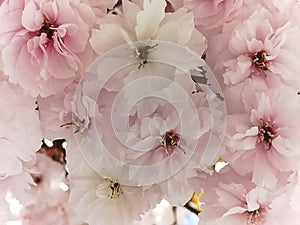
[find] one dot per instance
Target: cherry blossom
(263, 47)
(45, 43)
(243, 206)
(137, 136)
(137, 24)
(263, 138)
(93, 196)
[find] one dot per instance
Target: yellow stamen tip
(202, 192)
(220, 159)
(195, 200)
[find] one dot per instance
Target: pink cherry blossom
(243, 203)
(93, 196)
(156, 131)
(263, 46)
(138, 24)
(243, 206)
(137, 129)
(44, 44)
(233, 198)
(263, 138)
(209, 181)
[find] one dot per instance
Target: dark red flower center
(170, 141)
(37, 178)
(260, 60)
(47, 29)
(266, 134)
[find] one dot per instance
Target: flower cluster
(129, 111)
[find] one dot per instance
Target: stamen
(170, 141)
(142, 54)
(255, 217)
(266, 134)
(115, 189)
(77, 123)
(194, 204)
(46, 28)
(260, 59)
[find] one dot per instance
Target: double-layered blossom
(262, 132)
(243, 206)
(263, 46)
(159, 131)
(146, 121)
(103, 200)
(44, 44)
(244, 203)
(136, 23)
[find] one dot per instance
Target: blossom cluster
(128, 111)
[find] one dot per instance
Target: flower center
(170, 141)
(260, 59)
(37, 178)
(255, 217)
(47, 29)
(142, 54)
(115, 189)
(266, 134)
(110, 188)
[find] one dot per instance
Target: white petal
(235, 210)
(149, 19)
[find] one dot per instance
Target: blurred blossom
(210, 14)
